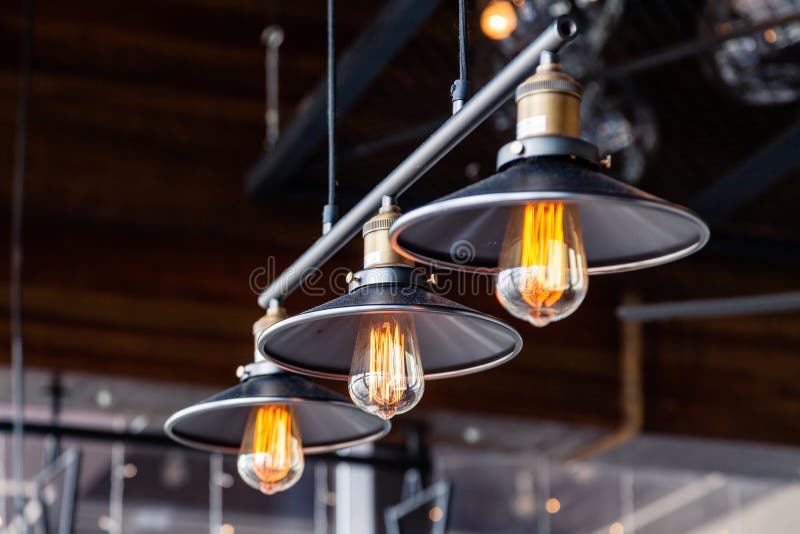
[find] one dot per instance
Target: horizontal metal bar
(722, 307)
(442, 141)
(383, 457)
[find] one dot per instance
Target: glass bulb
(271, 457)
(498, 19)
(386, 376)
(544, 276)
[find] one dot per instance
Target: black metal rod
(475, 111)
(463, 61)
(329, 212)
(460, 88)
(385, 458)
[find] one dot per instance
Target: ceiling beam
(750, 178)
(358, 67)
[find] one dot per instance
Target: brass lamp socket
(548, 103)
(378, 251)
(275, 313)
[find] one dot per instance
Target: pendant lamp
(272, 419)
(390, 332)
(550, 216)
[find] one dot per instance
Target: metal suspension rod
(15, 268)
(329, 211)
(460, 88)
(475, 111)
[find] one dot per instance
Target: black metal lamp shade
(623, 228)
(453, 339)
(328, 421)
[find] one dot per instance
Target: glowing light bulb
(498, 19)
(271, 456)
(544, 277)
(386, 376)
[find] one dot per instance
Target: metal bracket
(252, 370)
(550, 145)
(393, 275)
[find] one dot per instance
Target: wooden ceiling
(140, 245)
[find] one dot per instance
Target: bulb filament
(543, 274)
(272, 444)
(386, 376)
(387, 365)
(543, 247)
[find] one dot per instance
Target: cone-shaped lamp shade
(453, 339)
(623, 228)
(327, 420)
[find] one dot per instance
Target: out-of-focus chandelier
(513, 23)
(763, 67)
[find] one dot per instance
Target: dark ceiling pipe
(750, 177)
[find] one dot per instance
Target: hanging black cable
(462, 39)
(460, 88)
(329, 212)
(15, 242)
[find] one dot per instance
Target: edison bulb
(271, 457)
(543, 275)
(498, 19)
(386, 376)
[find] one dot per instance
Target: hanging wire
(460, 88)
(329, 212)
(15, 241)
(462, 39)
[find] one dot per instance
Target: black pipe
(384, 457)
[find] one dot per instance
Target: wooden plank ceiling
(140, 244)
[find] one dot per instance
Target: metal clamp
(532, 147)
(390, 275)
(261, 368)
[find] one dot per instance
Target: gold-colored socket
(378, 251)
(273, 315)
(548, 103)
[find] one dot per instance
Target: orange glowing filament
(387, 364)
(543, 275)
(272, 443)
(543, 248)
